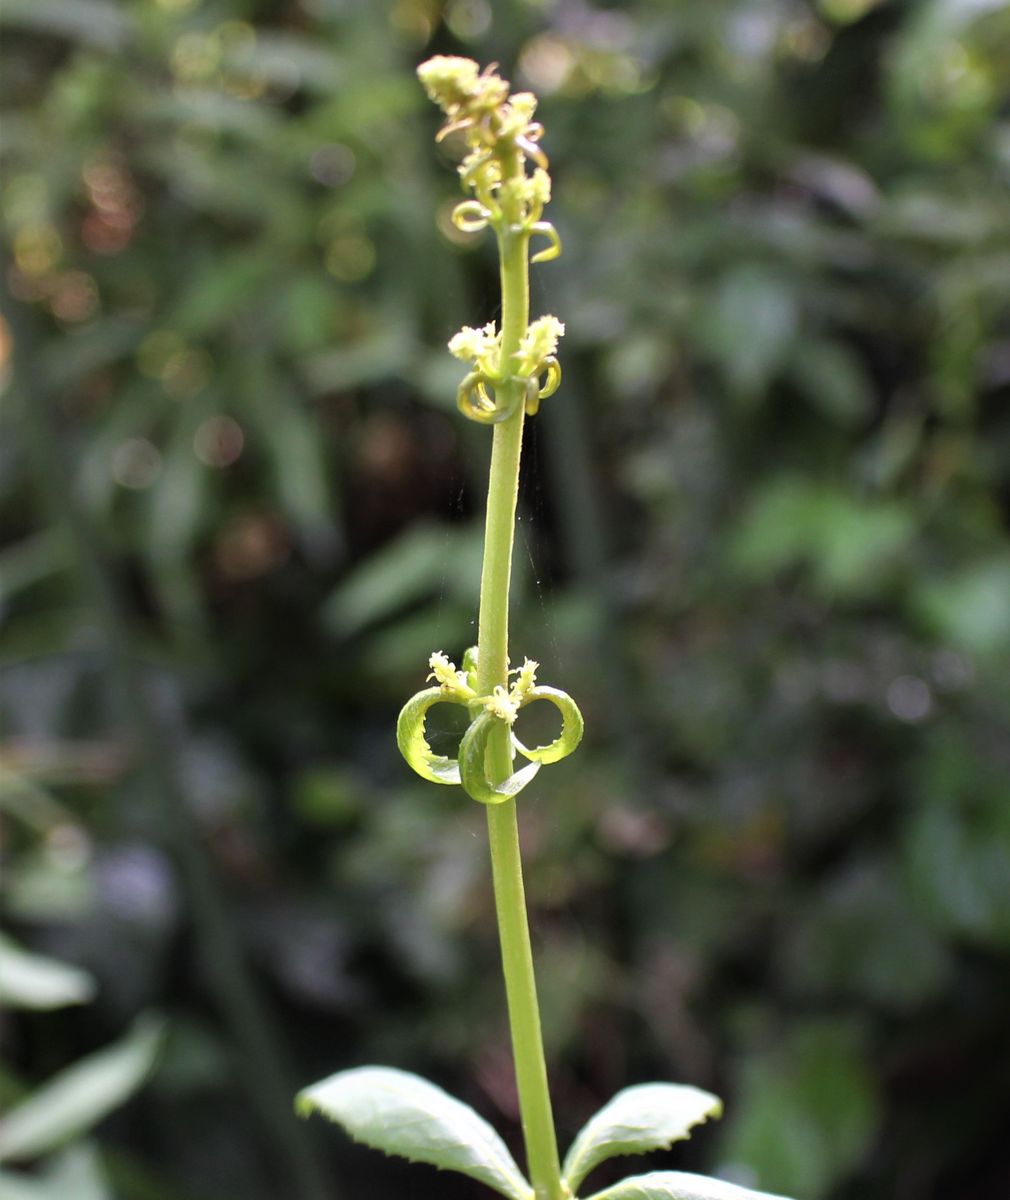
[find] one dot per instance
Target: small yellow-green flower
(526, 680)
(501, 705)
(450, 81)
(444, 672)
(461, 90)
(540, 187)
(539, 342)
(472, 345)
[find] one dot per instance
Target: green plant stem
(503, 828)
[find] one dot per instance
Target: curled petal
(552, 379)
(572, 727)
(532, 395)
(470, 216)
(453, 127)
(531, 149)
(473, 770)
(547, 230)
(474, 401)
(414, 745)
(476, 164)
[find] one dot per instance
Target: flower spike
(501, 138)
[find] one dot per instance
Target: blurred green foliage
(764, 542)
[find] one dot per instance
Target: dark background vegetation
(763, 541)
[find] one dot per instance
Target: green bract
(410, 737)
(472, 767)
(502, 706)
(571, 729)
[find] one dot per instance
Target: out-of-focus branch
(259, 1059)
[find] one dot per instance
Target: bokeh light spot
(196, 57)
(332, 165)
(75, 297)
(25, 197)
(136, 463)
(909, 698)
(156, 351)
(805, 39)
(37, 249)
(187, 372)
(547, 62)
(413, 20)
(350, 257)
(219, 440)
(468, 19)
(249, 546)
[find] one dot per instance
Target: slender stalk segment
(503, 826)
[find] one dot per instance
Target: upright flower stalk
(509, 372)
(512, 370)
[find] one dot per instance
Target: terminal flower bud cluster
(502, 138)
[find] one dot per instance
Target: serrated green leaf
(677, 1185)
(650, 1116)
(81, 1096)
(34, 981)
(402, 1114)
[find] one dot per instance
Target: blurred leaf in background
(764, 540)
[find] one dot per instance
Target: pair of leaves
(402, 1114)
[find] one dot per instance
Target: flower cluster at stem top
(501, 135)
